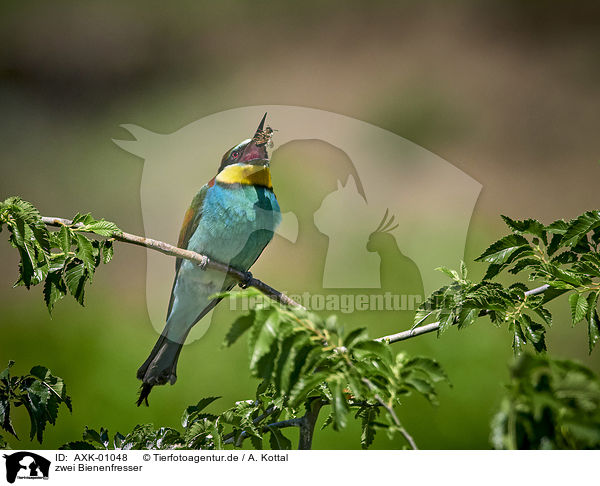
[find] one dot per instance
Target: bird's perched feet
(244, 284)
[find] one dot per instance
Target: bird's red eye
(235, 154)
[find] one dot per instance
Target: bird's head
(252, 151)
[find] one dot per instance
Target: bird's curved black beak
(261, 127)
(256, 151)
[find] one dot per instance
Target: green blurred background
(506, 91)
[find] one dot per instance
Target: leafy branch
(550, 404)
(562, 257)
(305, 358)
(40, 392)
(244, 278)
(306, 362)
(317, 364)
(66, 260)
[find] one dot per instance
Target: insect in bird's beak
(263, 134)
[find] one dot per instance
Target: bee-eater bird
(231, 220)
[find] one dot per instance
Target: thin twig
(392, 413)
(228, 438)
(245, 278)
(306, 423)
(295, 422)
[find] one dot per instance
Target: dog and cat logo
(26, 465)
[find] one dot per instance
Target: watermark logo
(367, 214)
(333, 302)
(26, 465)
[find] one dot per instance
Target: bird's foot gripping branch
(307, 363)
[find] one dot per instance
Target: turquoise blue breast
(237, 222)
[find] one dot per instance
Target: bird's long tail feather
(160, 367)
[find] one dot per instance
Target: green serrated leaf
(446, 319)
(566, 276)
(379, 349)
(305, 386)
(555, 243)
(278, 441)
(500, 251)
(453, 274)
(75, 278)
(257, 442)
(579, 307)
(339, 405)
(544, 313)
(558, 227)
(423, 387)
(239, 327)
(84, 219)
(589, 268)
(593, 323)
(466, 317)
(534, 332)
(463, 270)
(493, 269)
(428, 366)
(5, 417)
(519, 339)
(560, 285)
(192, 411)
(527, 226)
(107, 251)
(78, 445)
(85, 252)
(118, 441)
(262, 337)
(356, 336)
(565, 257)
(368, 431)
(216, 434)
(91, 435)
(102, 228)
(525, 263)
(63, 238)
(54, 289)
(293, 351)
(580, 227)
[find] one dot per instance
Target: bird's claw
(245, 283)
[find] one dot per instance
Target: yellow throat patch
(250, 175)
